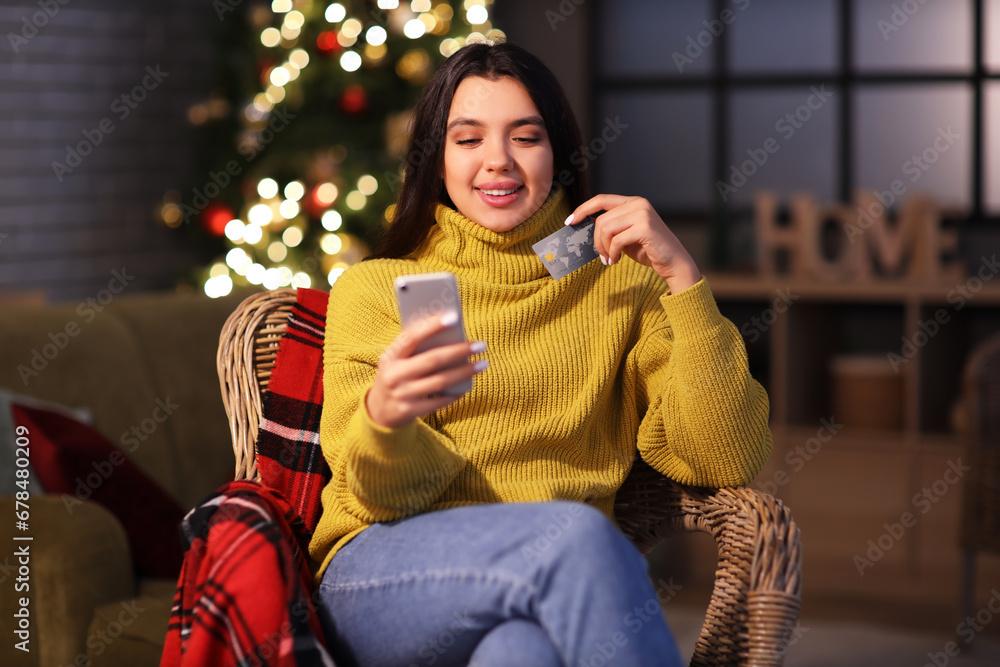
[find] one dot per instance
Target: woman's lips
(500, 196)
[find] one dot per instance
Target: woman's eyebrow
(472, 122)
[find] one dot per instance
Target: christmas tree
(303, 141)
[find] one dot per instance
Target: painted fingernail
(480, 365)
(603, 261)
(611, 262)
(569, 220)
(478, 346)
(449, 319)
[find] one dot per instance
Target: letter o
(943, 486)
(753, 167)
(889, 543)
(917, 336)
(707, 36)
(137, 91)
(773, 316)
(989, 616)
(85, 144)
(97, 479)
(104, 297)
(150, 429)
(798, 113)
(55, 350)
(115, 624)
(934, 153)
(553, 535)
(446, 639)
(978, 284)
(266, 135)
(809, 445)
(215, 193)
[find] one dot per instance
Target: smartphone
(423, 295)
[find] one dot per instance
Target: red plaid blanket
(289, 457)
(244, 597)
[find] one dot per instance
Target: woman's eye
(466, 142)
(527, 140)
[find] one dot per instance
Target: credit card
(568, 249)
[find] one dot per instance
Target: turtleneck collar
(468, 249)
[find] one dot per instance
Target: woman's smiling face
(498, 163)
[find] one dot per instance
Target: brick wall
(63, 230)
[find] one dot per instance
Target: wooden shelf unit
(863, 478)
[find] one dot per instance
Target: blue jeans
(509, 584)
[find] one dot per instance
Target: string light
(267, 188)
(281, 6)
(477, 15)
(331, 221)
(334, 274)
(414, 28)
(271, 37)
(350, 61)
(331, 244)
(326, 193)
(260, 214)
(355, 200)
(335, 13)
(301, 281)
(255, 274)
(368, 184)
(292, 236)
(253, 234)
(420, 5)
(234, 230)
(376, 35)
(294, 190)
(288, 209)
(388, 4)
(277, 251)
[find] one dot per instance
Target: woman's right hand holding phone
(408, 386)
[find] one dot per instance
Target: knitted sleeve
(707, 419)
(378, 473)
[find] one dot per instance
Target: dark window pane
(665, 153)
(919, 135)
(784, 36)
(651, 37)
(910, 35)
(782, 140)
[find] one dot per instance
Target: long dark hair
(423, 188)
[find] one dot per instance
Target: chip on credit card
(568, 249)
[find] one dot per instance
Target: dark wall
(62, 77)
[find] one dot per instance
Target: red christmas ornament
(215, 217)
(354, 100)
(327, 43)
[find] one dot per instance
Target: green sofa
(121, 360)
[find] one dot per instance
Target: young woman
(478, 529)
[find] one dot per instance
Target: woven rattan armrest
(756, 599)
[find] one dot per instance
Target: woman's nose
(497, 157)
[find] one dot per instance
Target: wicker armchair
(757, 594)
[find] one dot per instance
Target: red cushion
(73, 459)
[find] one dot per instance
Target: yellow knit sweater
(583, 371)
